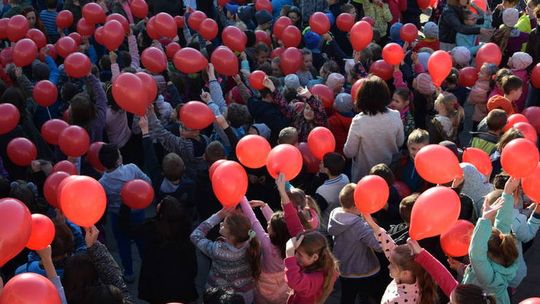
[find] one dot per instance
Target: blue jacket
(525, 230)
(113, 182)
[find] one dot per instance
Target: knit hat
(423, 84)
(461, 55)
(423, 58)
(263, 17)
(40, 70)
(510, 17)
(292, 81)
(335, 80)
(431, 30)
(311, 41)
(233, 8)
(520, 61)
(343, 103)
(500, 102)
(262, 129)
(246, 12)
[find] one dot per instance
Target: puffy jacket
(450, 24)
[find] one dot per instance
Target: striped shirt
(48, 18)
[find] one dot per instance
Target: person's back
(48, 18)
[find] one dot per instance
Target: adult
(450, 24)
(376, 132)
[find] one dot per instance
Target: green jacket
(482, 271)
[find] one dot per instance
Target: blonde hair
(418, 136)
(451, 106)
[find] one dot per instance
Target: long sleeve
(115, 70)
(387, 14)
(216, 93)
(26, 86)
(58, 284)
(92, 54)
(267, 212)
(478, 253)
(169, 141)
(262, 236)
(398, 80)
(292, 220)
(151, 164)
(54, 74)
(134, 52)
(284, 107)
(456, 24)
(300, 282)
(198, 236)
(316, 105)
(353, 140)
(503, 219)
(386, 242)
(101, 98)
(437, 271)
(244, 92)
(526, 230)
(139, 174)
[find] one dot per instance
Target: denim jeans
(123, 241)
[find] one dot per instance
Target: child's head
(51, 4)
(173, 222)
(173, 167)
(260, 129)
(486, 71)
(510, 16)
(512, 87)
(308, 59)
(520, 61)
(349, 8)
(238, 115)
(496, 120)
(500, 180)
(343, 103)
(470, 294)
(303, 203)
(346, 196)
(383, 171)
(214, 152)
(400, 99)
(406, 205)
(314, 254)
(262, 53)
(424, 84)
(82, 110)
(109, 156)
(288, 135)
(333, 164)
(431, 30)
(507, 137)
(416, 141)
(278, 232)
(445, 104)
(502, 248)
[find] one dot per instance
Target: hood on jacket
(340, 221)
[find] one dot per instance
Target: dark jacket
(533, 46)
(450, 24)
(268, 113)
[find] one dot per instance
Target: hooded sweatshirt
(354, 243)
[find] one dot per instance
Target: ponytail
(428, 288)
(254, 256)
(502, 247)
(472, 294)
(330, 269)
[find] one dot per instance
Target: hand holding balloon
(91, 236)
(143, 124)
(414, 246)
(269, 84)
(511, 186)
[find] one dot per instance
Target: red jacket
(339, 126)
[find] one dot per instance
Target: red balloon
(64, 19)
(149, 85)
(196, 115)
(50, 50)
(369, 20)
(171, 49)
(45, 93)
(455, 242)
(74, 141)
(488, 53)
(224, 61)
(291, 60)
(139, 8)
(222, 3)
(65, 166)
(84, 28)
(127, 90)
(361, 35)
(533, 116)
(76, 36)
(189, 60)
(321, 141)
(83, 200)
(263, 37)
(513, 119)
(65, 46)
(310, 162)
(50, 188)
(439, 66)
(114, 34)
(180, 21)
(423, 4)
(535, 76)
(482, 4)
(166, 26)
(519, 158)
(93, 13)
(402, 189)
(77, 65)
(530, 301)
(531, 185)
(154, 60)
(42, 233)
(345, 22)
(121, 19)
(15, 229)
(479, 159)
(229, 183)
(371, 194)
(256, 79)
(527, 130)
(435, 211)
(24, 52)
(324, 94)
(29, 288)
(3, 28)
(356, 88)
(319, 23)
(252, 151)
(92, 156)
(21, 151)
(151, 29)
(213, 167)
(277, 52)
(468, 76)
(263, 5)
(98, 35)
(195, 19)
(208, 29)
(285, 159)
(51, 129)
(17, 27)
(291, 36)
(37, 36)
(408, 32)
(234, 38)
(393, 54)
(6, 56)
(137, 194)
(437, 164)
(9, 118)
(382, 69)
(280, 25)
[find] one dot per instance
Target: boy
(288, 135)
(487, 141)
(48, 18)
(354, 243)
(405, 170)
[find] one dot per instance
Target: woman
(376, 133)
(450, 24)
(33, 20)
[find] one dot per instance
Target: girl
(411, 283)
(445, 125)
(479, 92)
(235, 255)
(271, 286)
(508, 38)
(401, 102)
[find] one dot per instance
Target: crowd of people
(290, 239)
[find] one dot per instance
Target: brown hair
(501, 36)
(173, 167)
(406, 205)
(82, 110)
(450, 103)
(373, 97)
(214, 151)
(334, 162)
(507, 137)
(511, 83)
(303, 203)
(500, 180)
(471, 294)
(315, 243)
(502, 248)
(280, 233)
(496, 119)
(288, 135)
(346, 196)
(493, 196)
(63, 243)
(239, 227)
(383, 171)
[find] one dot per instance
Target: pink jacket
(437, 271)
(293, 221)
(307, 286)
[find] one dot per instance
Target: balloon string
(49, 112)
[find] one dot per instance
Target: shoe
(129, 278)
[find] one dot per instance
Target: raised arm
(385, 241)
(151, 164)
(263, 237)
(290, 213)
(503, 220)
(134, 51)
(169, 141)
(198, 236)
(46, 261)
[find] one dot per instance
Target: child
(506, 138)
(512, 88)
(508, 38)
(487, 141)
(493, 252)
(48, 18)
(471, 41)
(431, 37)
(519, 62)
(389, 215)
(498, 77)
(305, 74)
(401, 102)
(354, 243)
(340, 120)
(411, 283)
(424, 92)
(405, 171)
(445, 125)
(479, 92)
(380, 12)
(235, 256)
